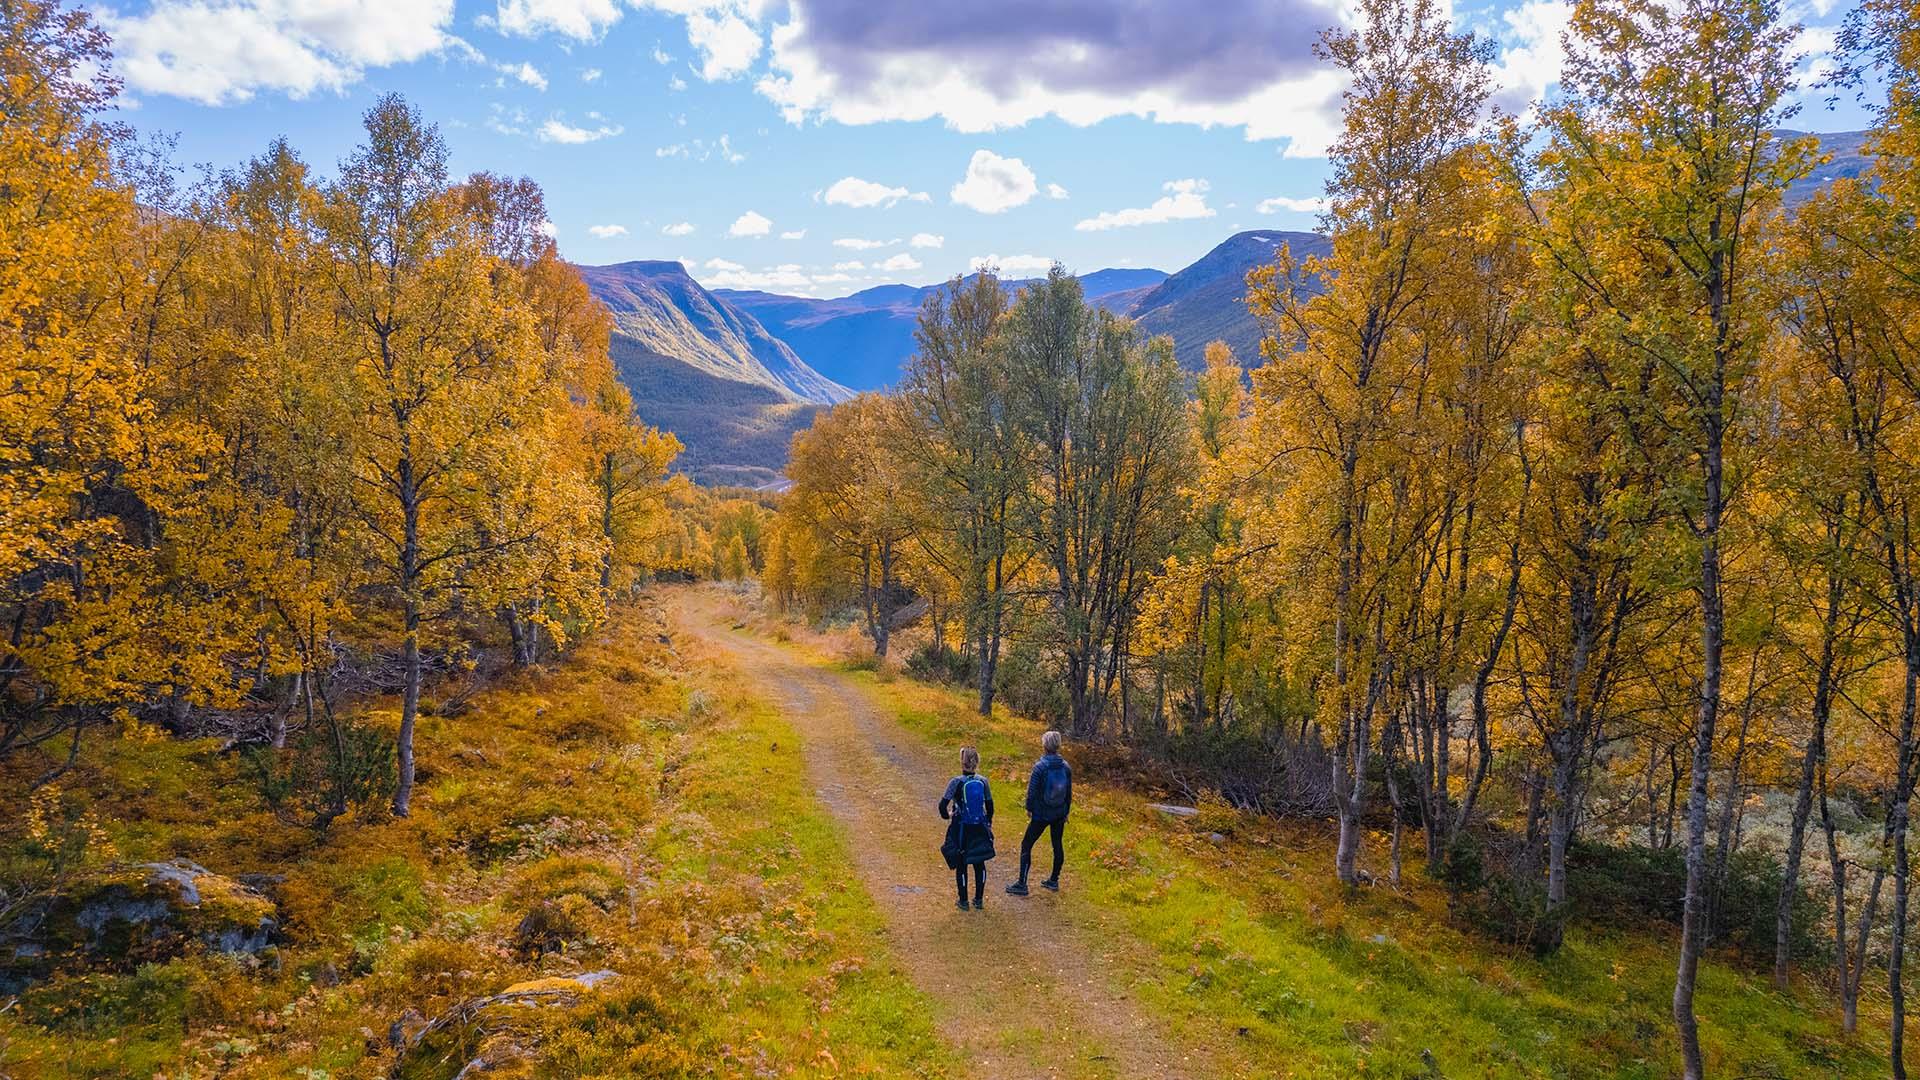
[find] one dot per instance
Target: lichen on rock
(134, 913)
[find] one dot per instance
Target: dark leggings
(1034, 829)
(979, 880)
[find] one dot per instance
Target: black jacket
(965, 843)
(1037, 807)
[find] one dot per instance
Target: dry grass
(613, 813)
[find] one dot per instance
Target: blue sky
(822, 146)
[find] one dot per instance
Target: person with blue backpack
(1049, 798)
(967, 806)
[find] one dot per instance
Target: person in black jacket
(1049, 798)
(967, 806)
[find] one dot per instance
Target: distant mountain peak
(657, 304)
(651, 267)
(711, 374)
(1206, 302)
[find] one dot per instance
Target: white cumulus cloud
(525, 73)
(1531, 60)
(219, 52)
(927, 240)
(579, 19)
(1185, 200)
(556, 130)
(850, 264)
(994, 183)
(750, 223)
(607, 232)
(724, 35)
(900, 262)
(727, 43)
(997, 64)
(786, 277)
(856, 243)
(679, 228)
(1290, 203)
(853, 191)
(1055, 191)
(794, 234)
(702, 150)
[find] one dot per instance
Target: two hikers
(967, 807)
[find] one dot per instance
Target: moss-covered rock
(126, 915)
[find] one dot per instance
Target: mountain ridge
(695, 365)
(658, 305)
(862, 339)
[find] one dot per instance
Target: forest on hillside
(1563, 529)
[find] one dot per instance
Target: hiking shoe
(979, 904)
(1051, 883)
(1018, 888)
(961, 903)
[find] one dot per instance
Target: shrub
(1463, 868)
(1216, 815)
(169, 997)
(325, 770)
(556, 926)
(942, 665)
(1031, 687)
(635, 1028)
(1625, 883)
(567, 875)
(1498, 886)
(700, 705)
(581, 720)
(860, 657)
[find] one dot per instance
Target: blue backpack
(973, 800)
(1056, 787)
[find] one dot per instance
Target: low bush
(570, 875)
(1493, 886)
(1629, 882)
(1498, 885)
(1031, 686)
(327, 769)
(940, 664)
(1250, 766)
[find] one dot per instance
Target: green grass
(831, 1004)
(1252, 936)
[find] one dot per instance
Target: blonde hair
(1050, 742)
(969, 759)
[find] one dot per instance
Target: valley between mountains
(734, 374)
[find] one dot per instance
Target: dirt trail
(1021, 989)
